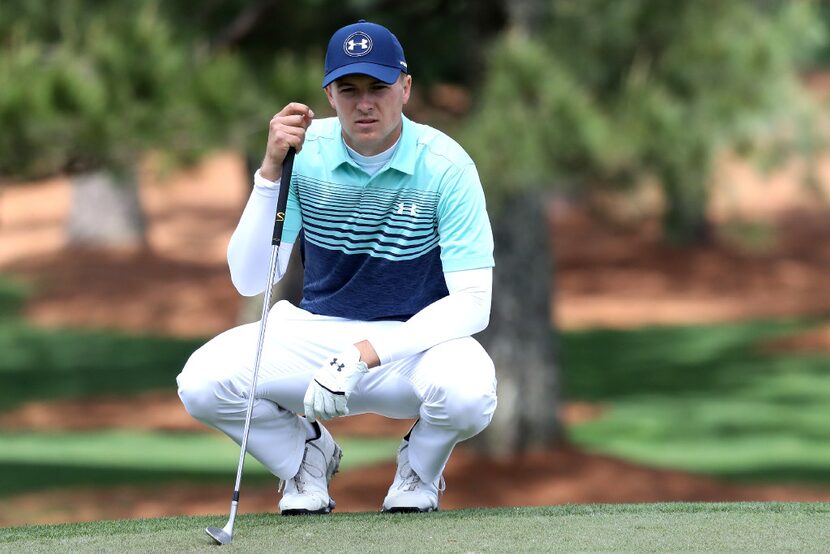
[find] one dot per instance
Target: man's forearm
(250, 246)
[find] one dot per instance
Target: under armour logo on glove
(332, 384)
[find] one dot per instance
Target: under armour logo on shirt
(413, 210)
(358, 44)
(335, 364)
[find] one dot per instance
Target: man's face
(369, 110)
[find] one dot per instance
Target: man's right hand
(286, 129)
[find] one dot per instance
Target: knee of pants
(462, 393)
(468, 413)
(200, 393)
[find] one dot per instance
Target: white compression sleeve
(249, 249)
(464, 312)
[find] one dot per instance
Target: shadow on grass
(41, 364)
(796, 474)
(705, 398)
(16, 478)
(606, 365)
(39, 461)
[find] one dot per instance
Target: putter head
(221, 536)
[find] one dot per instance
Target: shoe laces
(306, 468)
(411, 480)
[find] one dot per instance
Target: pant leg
(451, 388)
(457, 384)
(216, 380)
(214, 387)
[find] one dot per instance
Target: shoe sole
(333, 467)
(408, 510)
(302, 512)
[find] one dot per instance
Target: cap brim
(380, 72)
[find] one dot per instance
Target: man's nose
(364, 103)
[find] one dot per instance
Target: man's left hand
(331, 386)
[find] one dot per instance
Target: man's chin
(363, 141)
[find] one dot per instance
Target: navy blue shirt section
(336, 285)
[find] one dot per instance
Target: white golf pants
(451, 387)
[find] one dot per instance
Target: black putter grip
(282, 201)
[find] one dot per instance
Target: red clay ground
(607, 274)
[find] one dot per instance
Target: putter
(225, 534)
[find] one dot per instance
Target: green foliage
(705, 399)
(90, 85)
(93, 84)
(442, 40)
(607, 91)
(94, 88)
(289, 77)
(674, 527)
(531, 111)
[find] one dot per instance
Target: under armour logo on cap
(334, 363)
(358, 44)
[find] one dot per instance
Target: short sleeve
(465, 235)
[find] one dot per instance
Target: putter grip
(282, 201)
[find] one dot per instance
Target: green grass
(45, 364)
(38, 461)
(705, 399)
(13, 294)
(605, 528)
(38, 364)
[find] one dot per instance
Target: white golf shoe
(408, 492)
(308, 491)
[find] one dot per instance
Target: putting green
(680, 527)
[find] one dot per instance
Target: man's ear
(330, 97)
(406, 82)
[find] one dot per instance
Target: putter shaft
(225, 534)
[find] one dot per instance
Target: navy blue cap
(364, 48)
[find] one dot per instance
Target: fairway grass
(746, 527)
(38, 461)
(709, 399)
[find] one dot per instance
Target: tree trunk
(105, 211)
(685, 221)
(684, 185)
(520, 337)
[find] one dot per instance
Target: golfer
(390, 219)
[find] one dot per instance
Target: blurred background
(657, 175)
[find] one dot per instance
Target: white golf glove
(332, 385)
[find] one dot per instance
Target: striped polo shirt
(376, 247)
